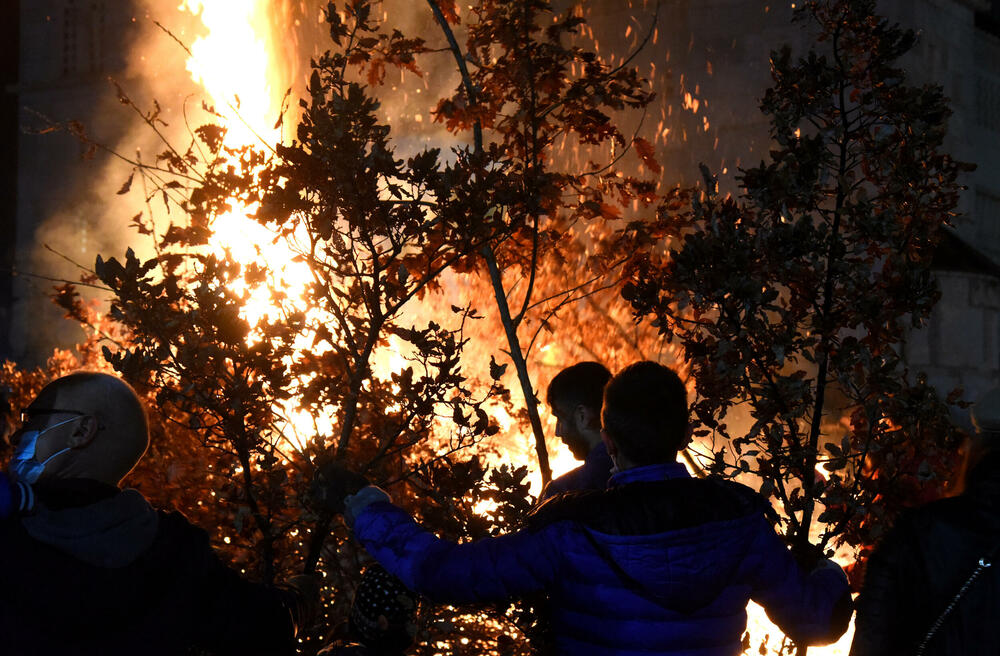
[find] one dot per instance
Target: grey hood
(110, 533)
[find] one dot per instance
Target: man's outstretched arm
(813, 607)
(489, 569)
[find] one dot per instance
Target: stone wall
(960, 345)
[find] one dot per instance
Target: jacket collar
(597, 454)
(93, 522)
(62, 493)
(660, 472)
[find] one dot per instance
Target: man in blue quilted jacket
(659, 563)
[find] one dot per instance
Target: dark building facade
(68, 50)
(9, 71)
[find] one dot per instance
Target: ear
(609, 444)
(583, 416)
(84, 432)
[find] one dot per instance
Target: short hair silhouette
(645, 412)
(580, 384)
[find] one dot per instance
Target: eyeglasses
(28, 413)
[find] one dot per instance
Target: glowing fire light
(235, 64)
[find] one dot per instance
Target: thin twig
(16, 272)
(174, 37)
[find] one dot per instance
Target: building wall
(718, 50)
(984, 230)
(69, 49)
(73, 53)
(958, 347)
(9, 58)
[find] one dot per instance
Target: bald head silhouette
(99, 418)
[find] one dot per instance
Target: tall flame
(235, 64)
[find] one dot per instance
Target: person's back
(921, 566)
(665, 563)
(659, 563)
(93, 569)
(96, 570)
(928, 556)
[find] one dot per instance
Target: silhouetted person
(92, 568)
(931, 553)
(575, 396)
(658, 563)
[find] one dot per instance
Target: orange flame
(236, 64)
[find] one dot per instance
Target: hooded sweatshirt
(659, 563)
(97, 570)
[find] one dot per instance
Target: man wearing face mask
(90, 568)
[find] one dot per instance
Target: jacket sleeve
(811, 607)
(237, 616)
(490, 569)
(14, 497)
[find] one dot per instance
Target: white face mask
(23, 465)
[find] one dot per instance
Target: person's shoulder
(565, 482)
(944, 506)
(15, 497)
(184, 548)
(345, 649)
(939, 517)
(717, 499)
(563, 506)
(568, 482)
(646, 507)
(178, 533)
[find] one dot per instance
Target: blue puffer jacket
(660, 563)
